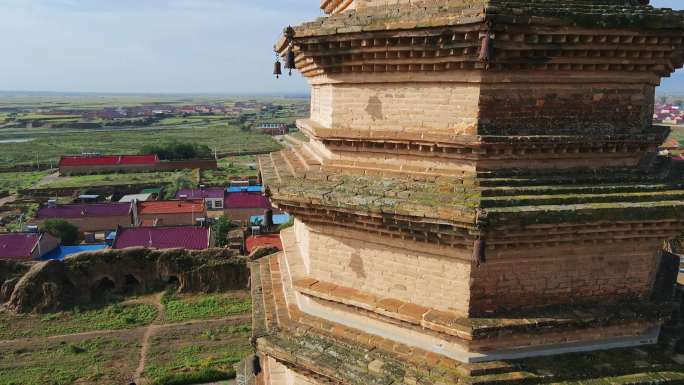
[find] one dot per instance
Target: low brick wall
(172, 165)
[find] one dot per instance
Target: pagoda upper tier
(338, 6)
(481, 85)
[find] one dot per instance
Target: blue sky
(191, 46)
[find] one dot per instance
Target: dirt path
(151, 331)
(6, 200)
(47, 179)
(96, 333)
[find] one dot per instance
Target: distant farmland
(48, 145)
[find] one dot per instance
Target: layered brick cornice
(567, 37)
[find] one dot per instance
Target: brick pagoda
(481, 183)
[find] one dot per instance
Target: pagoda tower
(481, 183)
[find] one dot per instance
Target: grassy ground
(116, 179)
(234, 166)
(13, 181)
(196, 337)
(189, 350)
(112, 317)
(184, 308)
(48, 146)
(100, 360)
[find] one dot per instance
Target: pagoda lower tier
(570, 261)
(298, 345)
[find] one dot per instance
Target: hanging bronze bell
(290, 62)
(277, 69)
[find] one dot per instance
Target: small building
(187, 237)
(90, 217)
(26, 246)
(66, 251)
(253, 189)
(91, 164)
(142, 197)
(213, 196)
(273, 240)
(170, 213)
(278, 219)
(274, 128)
(241, 206)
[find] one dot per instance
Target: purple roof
(17, 246)
(194, 193)
(84, 210)
(247, 200)
(193, 238)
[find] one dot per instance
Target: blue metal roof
(64, 251)
(278, 219)
(244, 189)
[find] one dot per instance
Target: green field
(189, 336)
(234, 166)
(184, 308)
(48, 146)
(100, 360)
(201, 354)
(112, 317)
(13, 181)
(84, 181)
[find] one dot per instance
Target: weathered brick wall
(96, 224)
(321, 104)
(385, 271)
(275, 373)
(79, 170)
(415, 107)
(181, 219)
(521, 109)
(531, 278)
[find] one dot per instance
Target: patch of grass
(112, 317)
(197, 351)
(116, 179)
(102, 360)
(233, 166)
(13, 181)
(209, 306)
(50, 145)
(200, 377)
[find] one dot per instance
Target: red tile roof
(18, 246)
(246, 200)
(263, 240)
(91, 210)
(171, 207)
(192, 238)
(108, 160)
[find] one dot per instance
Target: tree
(63, 230)
(220, 228)
(179, 183)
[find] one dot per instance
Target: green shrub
(199, 377)
(63, 230)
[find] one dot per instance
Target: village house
(241, 206)
(142, 197)
(213, 196)
(170, 213)
(26, 246)
(274, 128)
(187, 237)
(85, 164)
(267, 240)
(89, 218)
(66, 251)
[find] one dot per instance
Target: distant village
(238, 215)
(235, 213)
